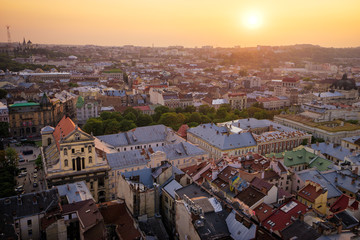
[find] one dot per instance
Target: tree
(3, 93)
(105, 115)
(4, 129)
(95, 126)
(258, 105)
(195, 117)
(173, 120)
(38, 162)
(130, 116)
(111, 126)
(205, 109)
(131, 110)
(12, 157)
(190, 109)
(221, 113)
(126, 125)
(159, 111)
(144, 120)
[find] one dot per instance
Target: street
(29, 163)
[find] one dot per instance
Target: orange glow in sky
(189, 23)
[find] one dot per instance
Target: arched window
(49, 141)
(65, 151)
(90, 159)
(66, 162)
(89, 149)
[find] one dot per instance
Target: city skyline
(165, 23)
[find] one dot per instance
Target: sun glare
(252, 20)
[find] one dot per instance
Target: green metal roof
(26, 104)
(299, 157)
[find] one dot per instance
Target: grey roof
(171, 187)
(316, 176)
(252, 123)
(192, 191)
(121, 160)
(75, 192)
(238, 230)
(343, 180)
(215, 226)
(351, 139)
(299, 230)
(180, 150)
(145, 176)
(47, 129)
(217, 137)
(137, 136)
(29, 204)
(331, 150)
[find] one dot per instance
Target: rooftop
(332, 126)
(24, 104)
(220, 137)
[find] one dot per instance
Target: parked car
(19, 188)
(35, 170)
(28, 152)
(35, 184)
(35, 175)
(13, 141)
(21, 159)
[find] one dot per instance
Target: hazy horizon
(186, 23)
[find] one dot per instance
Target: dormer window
(77, 136)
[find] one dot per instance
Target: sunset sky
(220, 23)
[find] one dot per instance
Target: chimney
(336, 179)
(238, 125)
(271, 128)
(353, 181)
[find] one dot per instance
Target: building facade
(70, 155)
(26, 119)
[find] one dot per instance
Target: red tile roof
(263, 211)
(281, 218)
(194, 169)
(116, 213)
(260, 184)
(343, 202)
(64, 127)
(309, 192)
(183, 130)
(87, 212)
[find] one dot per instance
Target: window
(65, 151)
(29, 222)
(66, 162)
(30, 232)
(72, 150)
(49, 140)
(166, 199)
(91, 185)
(90, 159)
(89, 149)
(82, 149)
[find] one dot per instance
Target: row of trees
(114, 122)
(7, 63)
(8, 170)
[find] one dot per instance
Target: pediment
(77, 136)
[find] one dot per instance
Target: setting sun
(252, 20)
